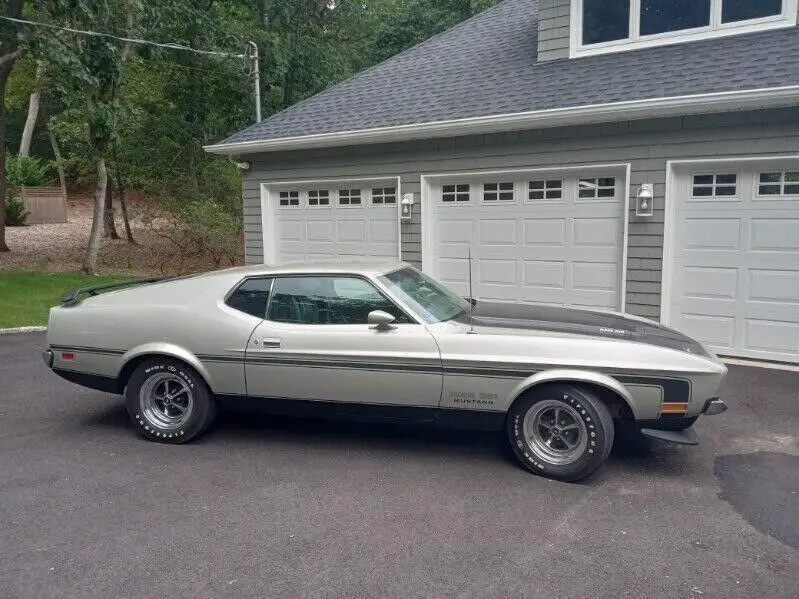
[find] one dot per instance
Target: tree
(92, 69)
(9, 51)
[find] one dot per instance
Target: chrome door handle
(268, 342)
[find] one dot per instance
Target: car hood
(610, 325)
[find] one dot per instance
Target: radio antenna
(471, 299)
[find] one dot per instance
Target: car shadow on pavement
(246, 424)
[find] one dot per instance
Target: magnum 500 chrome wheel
(562, 431)
(555, 431)
(168, 401)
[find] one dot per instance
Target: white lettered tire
(168, 401)
(561, 431)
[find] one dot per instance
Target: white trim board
(268, 205)
(730, 101)
(426, 181)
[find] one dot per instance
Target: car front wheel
(168, 402)
(561, 431)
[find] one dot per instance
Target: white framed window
(611, 25)
(288, 199)
(455, 193)
(724, 185)
(384, 195)
(596, 188)
(776, 184)
(349, 197)
(545, 189)
(319, 197)
(499, 192)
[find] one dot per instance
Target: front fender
(161, 348)
(575, 375)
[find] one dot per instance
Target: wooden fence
(45, 204)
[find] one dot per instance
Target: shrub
(15, 212)
(27, 171)
(199, 230)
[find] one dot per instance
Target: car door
(316, 345)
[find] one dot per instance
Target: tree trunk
(109, 226)
(123, 203)
(3, 79)
(93, 249)
(9, 51)
(33, 114)
(59, 163)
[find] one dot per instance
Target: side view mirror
(382, 321)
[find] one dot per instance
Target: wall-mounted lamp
(405, 206)
(645, 200)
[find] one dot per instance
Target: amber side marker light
(673, 408)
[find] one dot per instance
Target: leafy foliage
(27, 171)
(16, 215)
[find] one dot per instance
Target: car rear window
(251, 296)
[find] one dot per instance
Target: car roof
(361, 267)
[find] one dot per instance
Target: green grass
(26, 297)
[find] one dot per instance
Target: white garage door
(735, 259)
(333, 220)
(554, 238)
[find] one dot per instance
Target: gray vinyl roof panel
(487, 66)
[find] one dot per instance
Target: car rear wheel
(168, 402)
(561, 431)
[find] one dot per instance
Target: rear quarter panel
(186, 319)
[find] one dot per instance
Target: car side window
(328, 300)
(251, 296)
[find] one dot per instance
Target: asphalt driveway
(281, 508)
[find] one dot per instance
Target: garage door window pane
(550, 189)
(602, 187)
(742, 10)
(289, 198)
(605, 20)
(493, 192)
(384, 195)
(709, 186)
(455, 193)
(319, 197)
(349, 197)
(328, 301)
(776, 184)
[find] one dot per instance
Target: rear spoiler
(71, 297)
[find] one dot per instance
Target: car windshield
(427, 297)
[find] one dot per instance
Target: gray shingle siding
(646, 145)
(553, 29)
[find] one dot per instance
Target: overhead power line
(170, 46)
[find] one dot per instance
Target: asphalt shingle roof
(487, 66)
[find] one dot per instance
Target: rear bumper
(48, 356)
